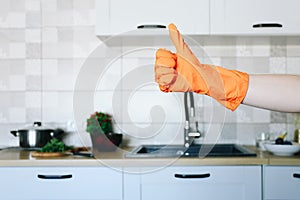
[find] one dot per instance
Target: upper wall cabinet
(134, 16)
(254, 17)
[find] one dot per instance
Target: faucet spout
(191, 130)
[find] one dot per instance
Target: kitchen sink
(201, 150)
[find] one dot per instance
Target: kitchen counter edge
(116, 159)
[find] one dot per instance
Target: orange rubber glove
(182, 72)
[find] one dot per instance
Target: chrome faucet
(191, 130)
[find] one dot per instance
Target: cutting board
(49, 154)
(58, 154)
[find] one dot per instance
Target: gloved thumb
(176, 38)
(182, 49)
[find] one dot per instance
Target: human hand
(183, 72)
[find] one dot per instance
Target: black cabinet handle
(188, 176)
(67, 176)
(267, 25)
(295, 175)
(145, 26)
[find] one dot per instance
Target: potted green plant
(100, 127)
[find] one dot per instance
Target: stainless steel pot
(36, 135)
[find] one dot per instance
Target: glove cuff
(235, 84)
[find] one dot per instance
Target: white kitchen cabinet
(194, 183)
(281, 182)
(74, 183)
(120, 17)
(254, 17)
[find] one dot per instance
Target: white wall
(44, 45)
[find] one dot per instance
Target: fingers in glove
(165, 75)
(180, 85)
(165, 58)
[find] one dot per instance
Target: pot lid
(36, 126)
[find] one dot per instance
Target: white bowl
(282, 150)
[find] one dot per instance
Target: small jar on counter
(261, 139)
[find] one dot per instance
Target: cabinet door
(252, 17)
(209, 183)
(83, 183)
(118, 16)
(281, 182)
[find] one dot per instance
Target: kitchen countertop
(15, 157)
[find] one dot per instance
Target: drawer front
(60, 183)
(230, 182)
(281, 182)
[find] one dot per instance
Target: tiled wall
(45, 46)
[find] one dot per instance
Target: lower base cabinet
(194, 183)
(60, 183)
(281, 182)
(176, 183)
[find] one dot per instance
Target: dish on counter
(281, 149)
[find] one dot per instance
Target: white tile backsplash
(61, 74)
(6, 138)
(137, 134)
(33, 5)
(293, 50)
(103, 101)
(151, 106)
(293, 65)
(33, 67)
(33, 50)
(84, 17)
(253, 65)
(13, 20)
(277, 65)
(217, 51)
(57, 50)
(83, 5)
(17, 82)
(57, 107)
(58, 18)
(54, 69)
(48, 5)
(33, 19)
(33, 35)
(261, 50)
(33, 100)
(246, 133)
(49, 35)
(17, 114)
(277, 128)
(138, 74)
(16, 50)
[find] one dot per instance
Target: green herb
(54, 145)
(99, 123)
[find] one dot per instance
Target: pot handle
(15, 133)
(58, 133)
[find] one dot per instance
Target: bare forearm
(274, 92)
